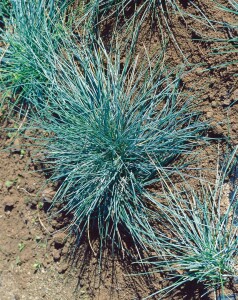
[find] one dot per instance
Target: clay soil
(34, 248)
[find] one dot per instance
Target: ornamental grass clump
(107, 127)
(199, 242)
(130, 16)
(229, 44)
(232, 31)
(5, 9)
(32, 36)
(99, 10)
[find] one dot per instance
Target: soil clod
(59, 240)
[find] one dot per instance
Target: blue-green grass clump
(109, 125)
(232, 30)
(229, 44)
(5, 9)
(101, 9)
(31, 39)
(131, 15)
(199, 242)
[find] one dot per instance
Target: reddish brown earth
(34, 260)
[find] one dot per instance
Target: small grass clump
(231, 29)
(99, 10)
(229, 45)
(28, 52)
(108, 126)
(5, 9)
(131, 16)
(199, 242)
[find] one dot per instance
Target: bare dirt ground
(34, 260)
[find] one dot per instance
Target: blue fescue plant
(232, 30)
(101, 9)
(28, 53)
(107, 125)
(199, 239)
(5, 8)
(130, 16)
(229, 45)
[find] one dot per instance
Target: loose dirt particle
(9, 204)
(56, 255)
(59, 239)
(62, 268)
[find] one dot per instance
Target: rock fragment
(59, 239)
(62, 268)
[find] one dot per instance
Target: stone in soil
(9, 204)
(56, 255)
(59, 239)
(62, 268)
(48, 195)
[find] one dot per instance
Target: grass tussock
(229, 44)
(99, 10)
(109, 126)
(131, 16)
(32, 38)
(199, 241)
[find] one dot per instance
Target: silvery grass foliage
(99, 10)
(133, 13)
(199, 242)
(4, 11)
(229, 44)
(232, 29)
(106, 127)
(32, 38)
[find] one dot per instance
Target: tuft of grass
(107, 127)
(199, 239)
(37, 266)
(133, 14)
(229, 45)
(21, 246)
(5, 10)
(232, 31)
(99, 10)
(28, 54)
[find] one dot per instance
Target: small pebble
(235, 95)
(217, 129)
(9, 204)
(209, 114)
(62, 268)
(65, 250)
(226, 102)
(16, 148)
(56, 255)
(59, 239)
(56, 224)
(30, 189)
(48, 195)
(214, 104)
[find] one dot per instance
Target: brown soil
(34, 260)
